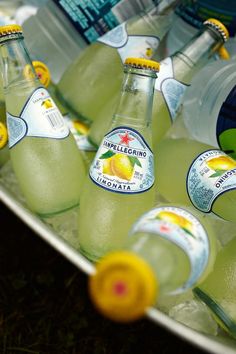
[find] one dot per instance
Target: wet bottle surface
(89, 83)
(169, 249)
(217, 291)
(120, 183)
(193, 173)
(44, 154)
(177, 71)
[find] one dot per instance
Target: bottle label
(80, 132)
(195, 12)
(40, 117)
(183, 229)
(123, 163)
(226, 124)
(130, 46)
(211, 174)
(172, 89)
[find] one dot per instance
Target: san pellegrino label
(172, 89)
(140, 46)
(182, 228)
(40, 117)
(123, 163)
(211, 174)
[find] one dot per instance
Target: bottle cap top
(123, 286)
(216, 24)
(142, 63)
(10, 29)
(42, 72)
(3, 135)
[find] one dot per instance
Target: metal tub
(11, 197)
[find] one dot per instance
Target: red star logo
(125, 139)
(164, 228)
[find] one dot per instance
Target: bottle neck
(16, 66)
(201, 47)
(135, 105)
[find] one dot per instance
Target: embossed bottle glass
(44, 154)
(175, 76)
(119, 186)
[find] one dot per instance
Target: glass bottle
(88, 84)
(78, 128)
(177, 71)
(217, 291)
(119, 187)
(189, 16)
(192, 173)
(169, 249)
(44, 154)
(174, 77)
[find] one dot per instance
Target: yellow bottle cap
(3, 135)
(216, 24)
(223, 53)
(10, 29)
(43, 72)
(123, 286)
(142, 63)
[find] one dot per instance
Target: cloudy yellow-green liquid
(218, 290)
(50, 171)
(161, 117)
(96, 76)
(173, 158)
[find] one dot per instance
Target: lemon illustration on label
(177, 220)
(221, 164)
(81, 128)
(3, 135)
(47, 103)
(107, 167)
(119, 165)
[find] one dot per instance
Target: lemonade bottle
(44, 154)
(178, 70)
(169, 249)
(189, 16)
(209, 106)
(174, 77)
(189, 172)
(88, 84)
(78, 128)
(218, 290)
(119, 186)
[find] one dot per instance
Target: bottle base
(89, 256)
(58, 212)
